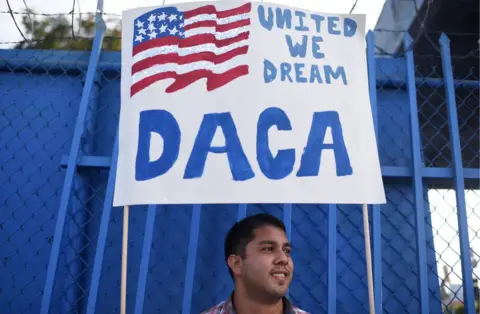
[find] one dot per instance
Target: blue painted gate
(60, 240)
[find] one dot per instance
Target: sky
(445, 229)
(444, 217)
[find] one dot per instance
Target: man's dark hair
(243, 232)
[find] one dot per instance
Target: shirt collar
(287, 306)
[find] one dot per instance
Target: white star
(173, 30)
(151, 27)
(142, 31)
(152, 18)
(139, 24)
(180, 17)
(181, 25)
(162, 17)
(172, 17)
(163, 28)
(139, 38)
(153, 35)
(181, 34)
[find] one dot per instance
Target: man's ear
(235, 263)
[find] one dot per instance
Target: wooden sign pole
(123, 291)
(368, 254)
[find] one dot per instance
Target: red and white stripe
(214, 47)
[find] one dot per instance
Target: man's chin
(278, 292)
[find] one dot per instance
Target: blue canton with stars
(158, 23)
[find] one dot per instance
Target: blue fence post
(191, 261)
(467, 274)
(287, 219)
(72, 160)
(332, 259)
(242, 211)
(376, 214)
(417, 180)
(145, 261)
(103, 231)
(76, 229)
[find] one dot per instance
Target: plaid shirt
(226, 307)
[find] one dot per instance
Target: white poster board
(245, 102)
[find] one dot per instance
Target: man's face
(268, 267)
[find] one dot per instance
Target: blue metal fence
(60, 239)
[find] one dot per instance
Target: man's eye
(288, 251)
(267, 248)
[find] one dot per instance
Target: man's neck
(246, 305)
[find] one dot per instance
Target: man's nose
(282, 258)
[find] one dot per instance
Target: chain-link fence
(42, 82)
(437, 151)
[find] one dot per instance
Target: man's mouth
(280, 274)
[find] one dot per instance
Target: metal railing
(60, 239)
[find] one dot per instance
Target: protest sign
(245, 102)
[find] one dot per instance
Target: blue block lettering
(278, 167)
(316, 47)
(163, 123)
(283, 17)
(269, 71)
(285, 68)
(318, 21)
(332, 24)
(267, 23)
(310, 162)
(299, 50)
(299, 72)
(301, 26)
(329, 73)
(315, 74)
(239, 165)
(349, 27)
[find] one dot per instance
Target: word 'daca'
(273, 166)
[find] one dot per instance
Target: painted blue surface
(395, 172)
(465, 259)
(37, 121)
(376, 210)
(332, 259)
(191, 259)
(71, 169)
(147, 249)
(102, 235)
(417, 181)
(242, 211)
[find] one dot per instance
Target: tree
(55, 32)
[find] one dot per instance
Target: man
(257, 253)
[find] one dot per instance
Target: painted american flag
(190, 45)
